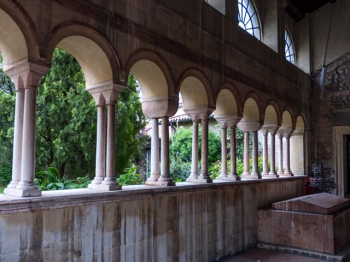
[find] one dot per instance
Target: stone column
(265, 171)
(17, 142)
(223, 175)
(165, 179)
(287, 172)
(233, 175)
(154, 154)
(280, 166)
(100, 147)
(255, 174)
(204, 177)
(26, 186)
(246, 156)
(110, 183)
(272, 172)
(194, 165)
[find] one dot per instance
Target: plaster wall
(185, 223)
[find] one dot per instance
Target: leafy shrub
(130, 177)
(5, 174)
(180, 170)
(49, 180)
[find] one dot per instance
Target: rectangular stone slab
(322, 203)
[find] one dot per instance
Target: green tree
(66, 120)
(7, 105)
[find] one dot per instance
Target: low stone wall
(205, 222)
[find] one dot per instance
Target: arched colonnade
(27, 58)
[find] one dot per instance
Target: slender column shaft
(288, 172)
(233, 151)
(100, 145)
(17, 139)
(165, 171)
(246, 154)
(280, 167)
(110, 158)
(255, 153)
(223, 174)
(194, 164)
(273, 157)
(265, 171)
(28, 141)
(154, 151)
(204, 166)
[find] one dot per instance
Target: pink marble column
(100, 148)
(280, 167)
(265, 171)
(165, 179)
(233, 175)
(110, 183)
(17, 141)
(194, 165)
(246, 156)
(26, 186)
(223, 174)
(272, 172)
(154, 154)
(287, 172)
(204, 177)
(255, 173)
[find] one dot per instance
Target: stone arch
(288, 119)
(146, 57)
(19, 40)
(228, 100)
(156, 81)
(196, 89)
(254, 108)
(93, 51)
(272, 114)
(298, 150)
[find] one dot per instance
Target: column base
(269, 175)
(264, 173)
(222, 176)
(204, 178)
(12, 185)
(22, 192)
(287, 173)
(151, 181)
(165, 182)
(251, 176)
(96, 181)
(280, 172)
(192, 178)
(233, 177)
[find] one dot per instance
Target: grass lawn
(1, 190)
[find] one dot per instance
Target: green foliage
(49, 180)
(179, 170)
(66, 118)
(130, 177)
(5, 174)
(7, 106)
(130, 120)
(181, 145)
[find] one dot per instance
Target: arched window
(289, 47)
(248, 18)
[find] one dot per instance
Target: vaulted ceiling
(298, 8)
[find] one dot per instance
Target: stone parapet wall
(188, 222)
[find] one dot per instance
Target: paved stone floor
(264, 255)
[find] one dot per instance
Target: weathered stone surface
(320, 204)
(325, 228)
(189, 222)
